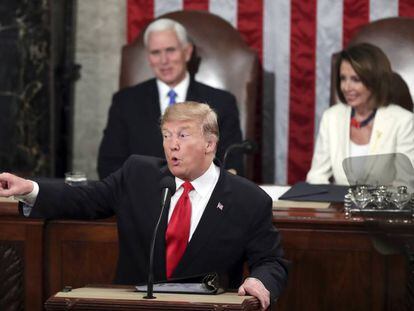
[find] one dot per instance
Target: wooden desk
(21, 260)
(337, 263)
(80, 253)
(125, 298)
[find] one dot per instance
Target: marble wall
(25, 96)
(100, 35)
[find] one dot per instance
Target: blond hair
(193, 111)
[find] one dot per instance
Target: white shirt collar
(202, 185)
(180, 89)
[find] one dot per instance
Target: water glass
(76, 179)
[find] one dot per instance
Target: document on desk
(300, 204)
(275, 192)
(199, 284)
(188, 288)
(304, 195)
(303, 191)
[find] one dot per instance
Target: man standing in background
(133, 122)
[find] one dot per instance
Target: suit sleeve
(113, 150)
(405, 135)
(264, 252)
(405, 145)
(230, 133)
(321, 169)
(97, 200)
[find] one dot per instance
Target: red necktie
(178, 230)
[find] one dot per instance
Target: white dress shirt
(358, 150)
(29, 199)
(180, 89)
(199, 197)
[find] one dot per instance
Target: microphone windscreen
(168, 182)
(250, 146)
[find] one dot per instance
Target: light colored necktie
(178, 230)
(172, 95)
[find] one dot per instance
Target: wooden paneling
(21, 266)
(80, 253)
(337, 263)
(328, 272)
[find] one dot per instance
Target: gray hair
(163, 24)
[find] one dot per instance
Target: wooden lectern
(126, 298)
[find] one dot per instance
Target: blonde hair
(193, 111)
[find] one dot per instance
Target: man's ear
(188, 50)
(211, 145)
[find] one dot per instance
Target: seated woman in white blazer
(365, 122)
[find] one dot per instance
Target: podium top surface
(131, 294)
(99, 298)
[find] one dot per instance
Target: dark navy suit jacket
(225, 238)
(134, 124)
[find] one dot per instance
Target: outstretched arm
(12, 185)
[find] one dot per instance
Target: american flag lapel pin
(220, 206)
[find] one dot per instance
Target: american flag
(294, 40)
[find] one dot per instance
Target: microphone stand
(150, 286)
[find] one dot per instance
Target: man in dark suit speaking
(134, 116)
(216, 222)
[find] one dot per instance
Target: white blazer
(393, 131)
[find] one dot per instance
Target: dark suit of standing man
(231, 217)
(133, 122)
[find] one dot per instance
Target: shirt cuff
(30, 198)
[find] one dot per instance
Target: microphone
(247, 146)
(167, 184)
